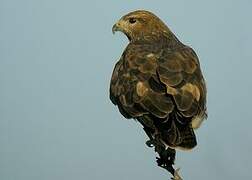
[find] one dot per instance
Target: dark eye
(132, 20)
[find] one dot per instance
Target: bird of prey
(159, 83)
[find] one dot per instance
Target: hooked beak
(119, 26)
(116, 27)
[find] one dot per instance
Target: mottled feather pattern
(144, 77)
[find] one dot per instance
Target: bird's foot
(153, 143)
(150, 143)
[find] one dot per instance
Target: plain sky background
(56, 119)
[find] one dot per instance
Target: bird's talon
(150, 143)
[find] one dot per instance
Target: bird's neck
(165, 39)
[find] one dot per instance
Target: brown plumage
(158, 81)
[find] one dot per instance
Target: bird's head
(141, 25)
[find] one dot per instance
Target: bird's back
(163, 88)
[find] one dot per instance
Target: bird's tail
(180, 136)
(173, 133)
(188, 139)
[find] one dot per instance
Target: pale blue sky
(56, 120)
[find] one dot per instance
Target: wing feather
(158, 83)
